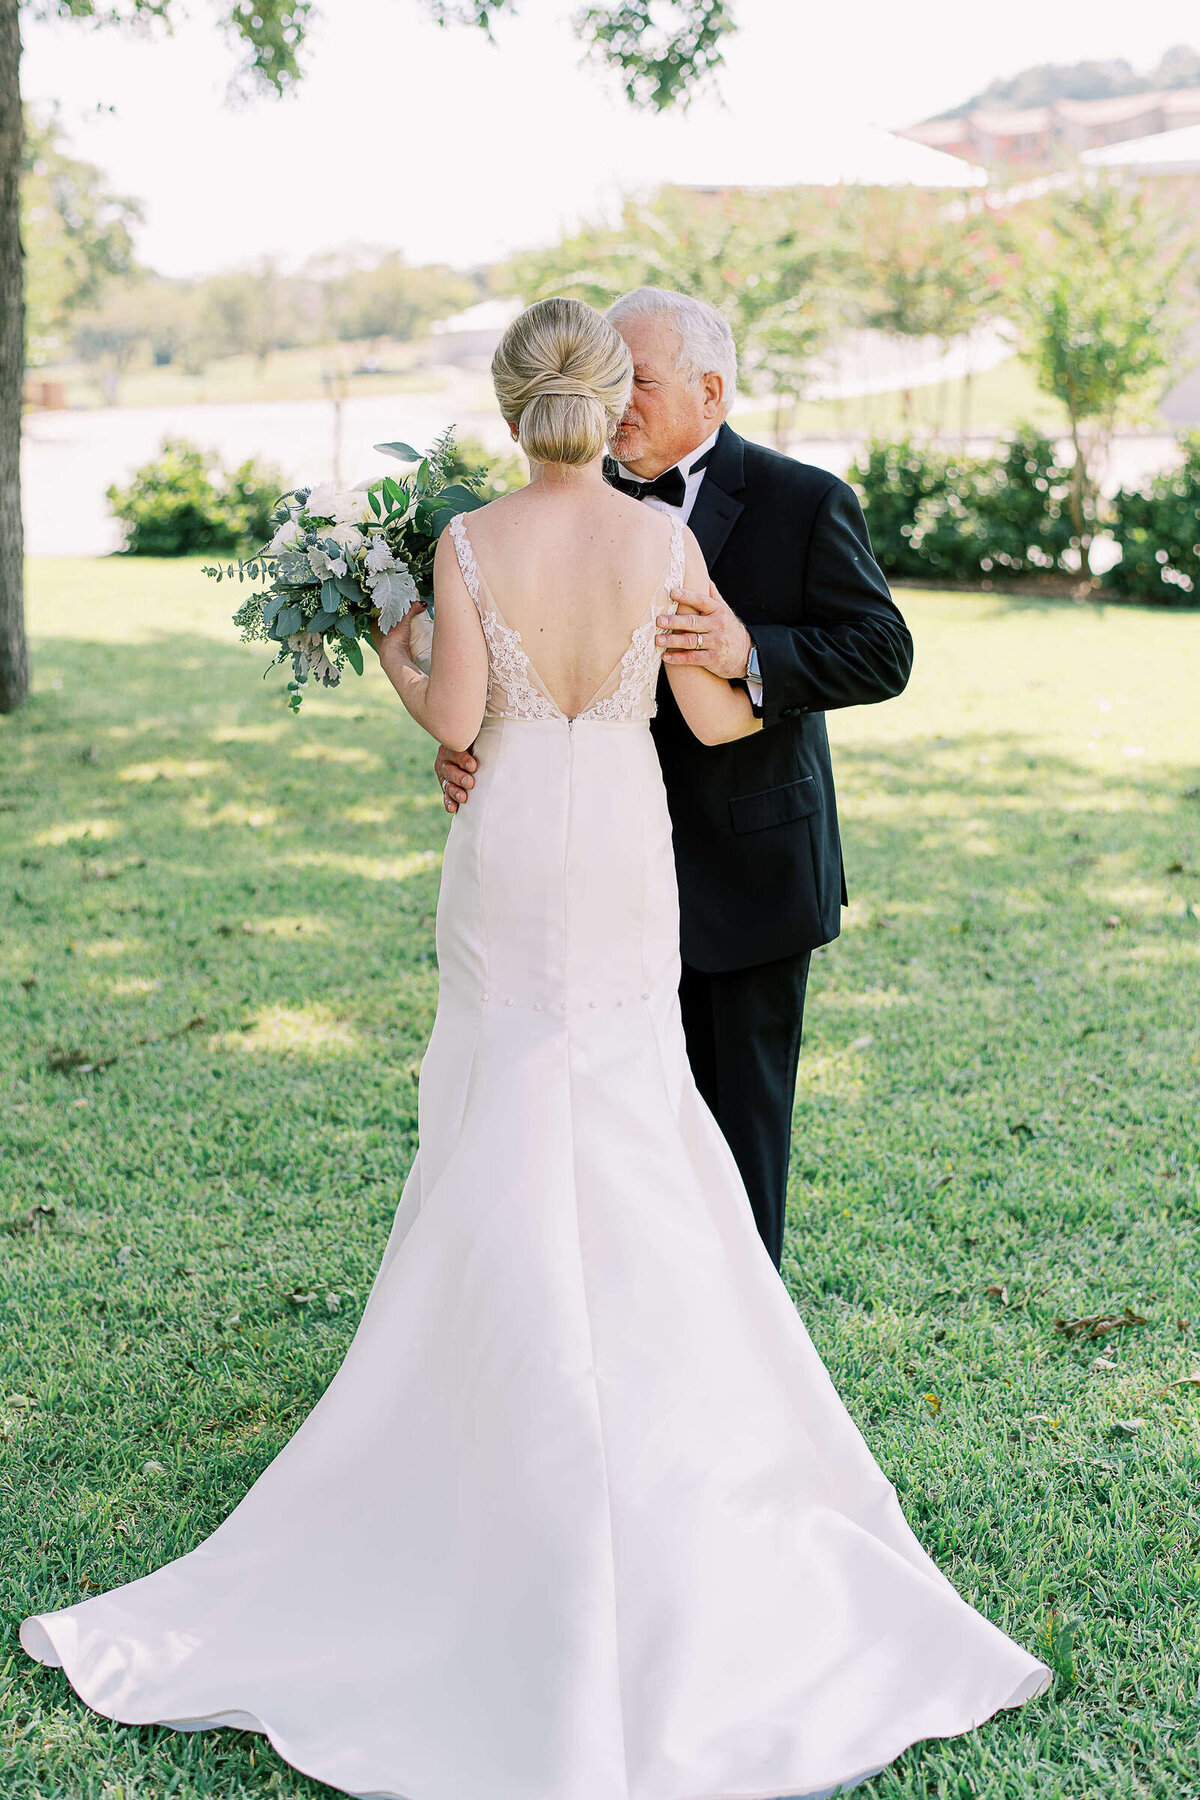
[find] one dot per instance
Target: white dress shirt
(693, 481)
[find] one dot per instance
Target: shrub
(497, 474)
(180, 504)
(960, 518)
(1158, 530)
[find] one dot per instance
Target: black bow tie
(670, 486)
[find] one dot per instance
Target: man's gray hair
(705, 340)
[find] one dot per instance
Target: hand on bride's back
(454, 769)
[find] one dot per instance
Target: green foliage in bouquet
(179, 503)
(342, 559)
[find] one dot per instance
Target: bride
(581, 1515)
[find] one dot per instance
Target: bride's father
(799, 610)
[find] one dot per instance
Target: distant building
(1041, 136)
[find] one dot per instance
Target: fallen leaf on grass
(84, 1062)
(943, 1181)
(1125, 1428)
(34, 1220)
(997, 1291)
(1192, 1380)
(1103, 1365)
(98, 871)
(301, 1299)
(1095, 1325)
(932, 1402)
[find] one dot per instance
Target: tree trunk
(14, 660)
(1079, 491)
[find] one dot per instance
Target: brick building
(1042, 137)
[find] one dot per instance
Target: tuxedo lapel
(716, 511)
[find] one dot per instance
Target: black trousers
(742, 1029)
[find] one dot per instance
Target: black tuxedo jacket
(754, 822)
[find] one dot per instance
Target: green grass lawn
(227, 913)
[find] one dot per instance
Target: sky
(448, 148)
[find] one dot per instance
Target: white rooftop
(1163, 153)
(828, 154)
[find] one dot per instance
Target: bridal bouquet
(342, 557)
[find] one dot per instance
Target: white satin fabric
(581, 1515)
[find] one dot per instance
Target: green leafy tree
(1101, 284)
(768, 262)
(76, 236)
(659, 64)
(920, 268)
(382, 296)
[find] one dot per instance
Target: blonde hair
(562, 376)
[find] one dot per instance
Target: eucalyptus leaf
(462, 499)
(271, 606)
(404, 452)
(322, 622)
(288, 620)
(329, 596)
(354, 658)
(349, 589)
(347, 625)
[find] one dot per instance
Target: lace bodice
(517, 691)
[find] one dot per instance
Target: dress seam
(612, 1558)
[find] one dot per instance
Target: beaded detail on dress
(515, 690)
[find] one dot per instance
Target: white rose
(288, 534)
(352, 508)
(320, 503)
(348, 536)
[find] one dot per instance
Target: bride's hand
(399, 638)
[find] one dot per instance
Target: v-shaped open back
(515, 688)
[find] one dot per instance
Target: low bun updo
(562, 376)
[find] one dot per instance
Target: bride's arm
(715, 710)
(449, 701)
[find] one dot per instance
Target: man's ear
(714, 395)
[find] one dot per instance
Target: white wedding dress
(581, 1515)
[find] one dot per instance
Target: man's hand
(455, 770)
(708, 633)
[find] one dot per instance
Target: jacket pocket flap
(775, 806)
